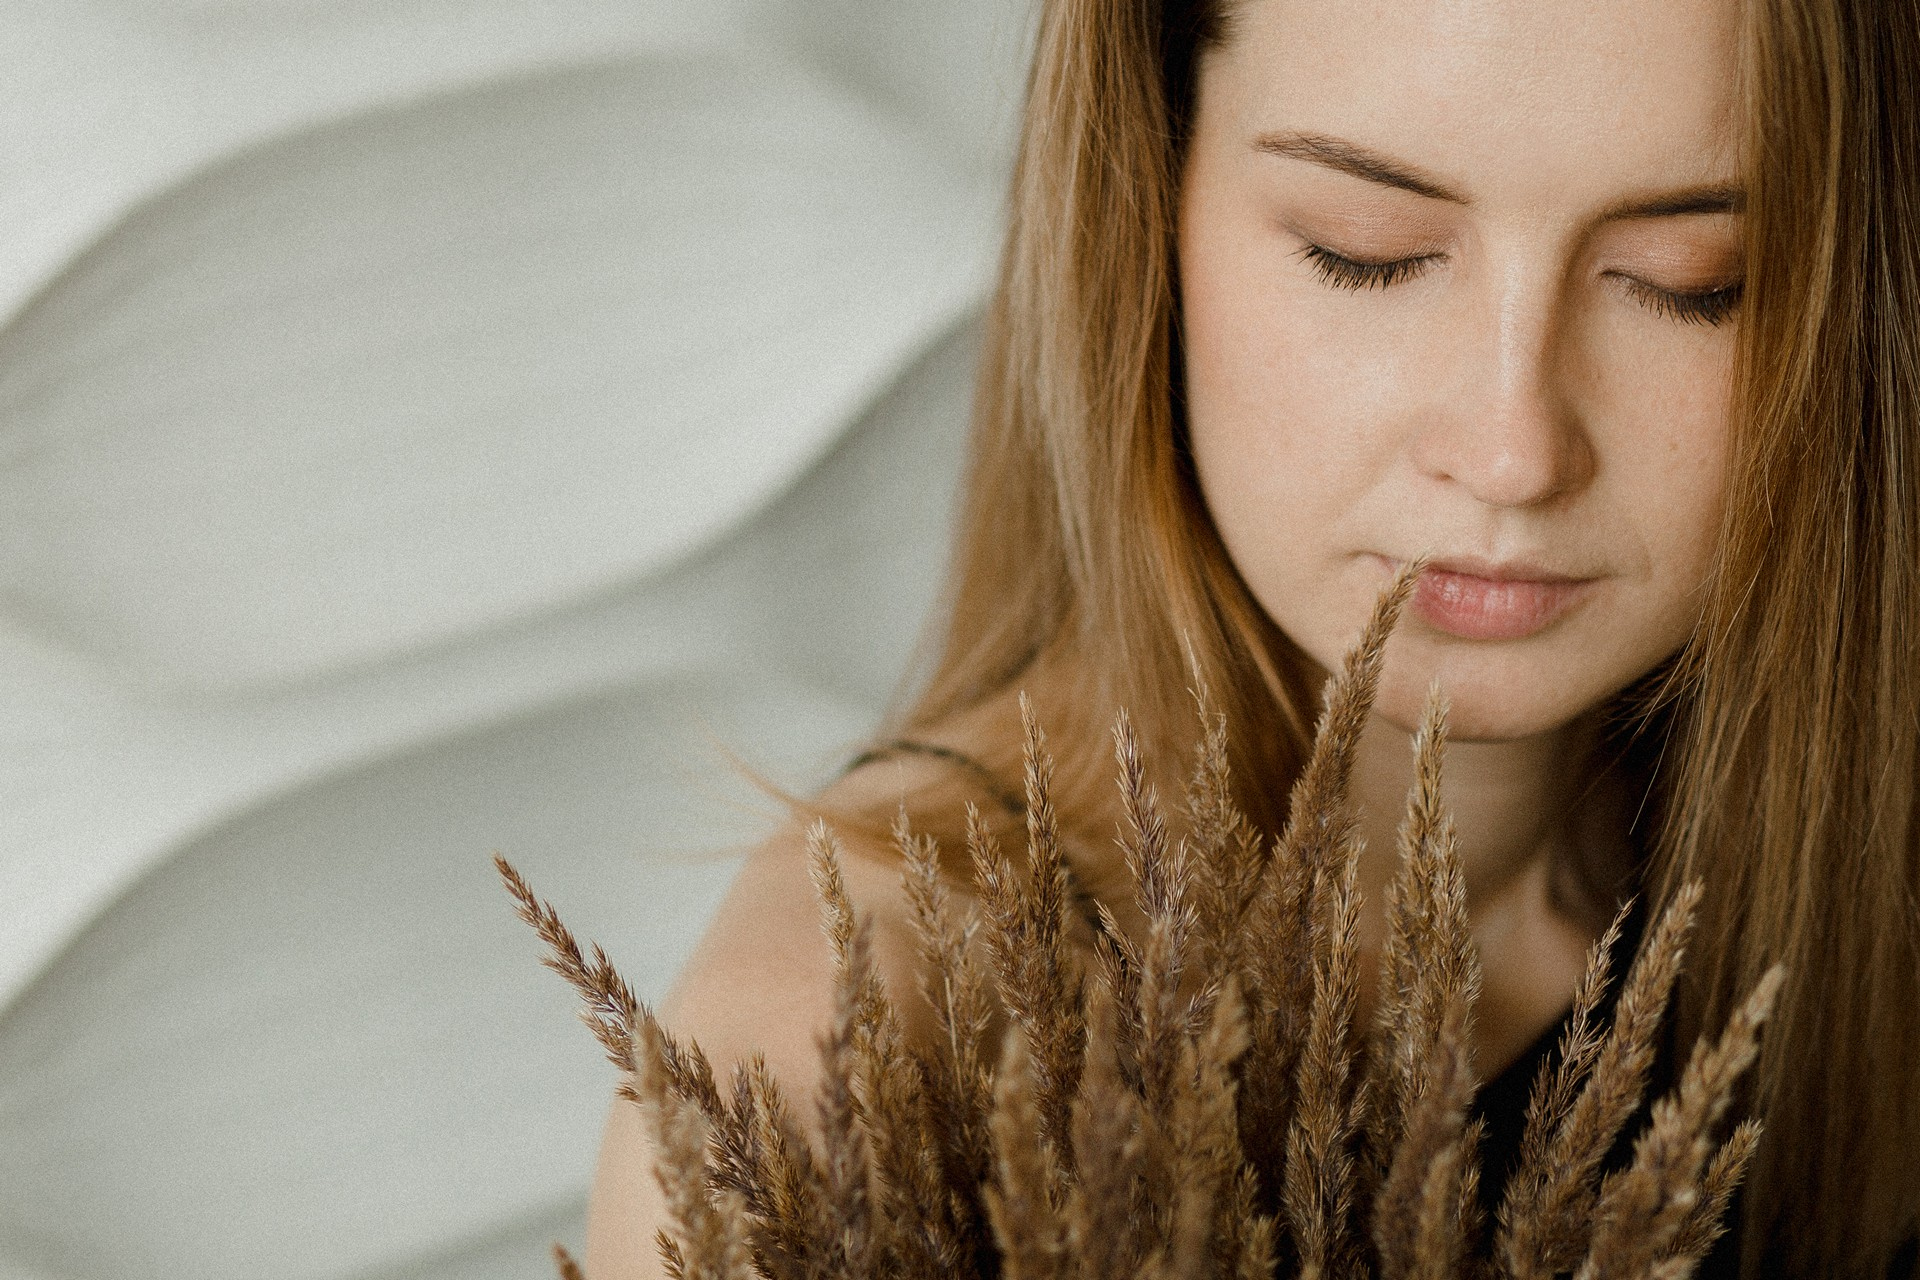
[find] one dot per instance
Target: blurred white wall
(427, 427)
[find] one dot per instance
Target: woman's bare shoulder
(763, 972)
(761, 978)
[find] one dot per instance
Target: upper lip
(1499, 570)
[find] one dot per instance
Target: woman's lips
(1494, 602)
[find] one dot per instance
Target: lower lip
(1492, 608)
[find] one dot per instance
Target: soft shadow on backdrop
(427, 427)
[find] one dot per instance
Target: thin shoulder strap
(989, 781)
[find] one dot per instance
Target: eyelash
(1713, 307)
(1345, 273)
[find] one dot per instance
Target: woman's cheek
(1673, 463)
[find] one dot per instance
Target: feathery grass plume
(1214, 1225)
(1424, 1156)
(1120, 966)
(1159, 872)
(1429, 970)
(1203, 1105)
(617, 1019)
(708, 1231)
(1225, 855)
(1643, 1208)
(1038, 975)
(1707, 1223)
(1021, 1199)
(847, 1160)
(786, 1189)
(959, 1077)
(1547, 1214)
(1112, 1226)
(762, 1165)
(1554, 1091)
(1295, 890)
(1426, 1213)
(608, 1005)
(1318, 1184)
(913, 1222)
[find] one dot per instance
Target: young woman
(1609, 307)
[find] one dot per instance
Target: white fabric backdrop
(427, 428)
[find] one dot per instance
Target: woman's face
(1459, 278)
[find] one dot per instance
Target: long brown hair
(1088, 571)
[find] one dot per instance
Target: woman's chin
(1487, 701)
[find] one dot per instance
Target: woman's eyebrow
(1723, 197)
(1374, 166)
(1360, 162)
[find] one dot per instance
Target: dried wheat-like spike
(1426, 1205)
(1159, 873)
(1320, 826)
(1429, 969)
(1320, 1174)
(565, 1266)
(838, 919)
(1470, 1228)
(1425, 1215)
(1444, 1213)
(1257, 1257)
(927, 1239)
(1120, 966)
(1278, 982)
(1111, 1225)
(1212, 1209)
(959, 1078)
(1244, 1243)
(1707, 1223)
(620, 1022)
(846, 1158)
(709, 1231)
(1547, 1216)
(1059, 1043)
(777, 1176)
(1157, 877)
(1021, 1199)
(1225, 855)
(1553, 1092)
(912, 1220)
(671, 1259)
(612, 1012)
(1319, 815)
(1037, 975)
(1643, 1208)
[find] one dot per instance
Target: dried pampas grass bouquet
(1199, 1102)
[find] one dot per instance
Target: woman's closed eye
(1342, 272)
(1687, 306)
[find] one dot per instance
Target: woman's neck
(1516, 805)
(1533, 819)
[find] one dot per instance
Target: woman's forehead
(1598, 94)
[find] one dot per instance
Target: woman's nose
(1507, 430)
